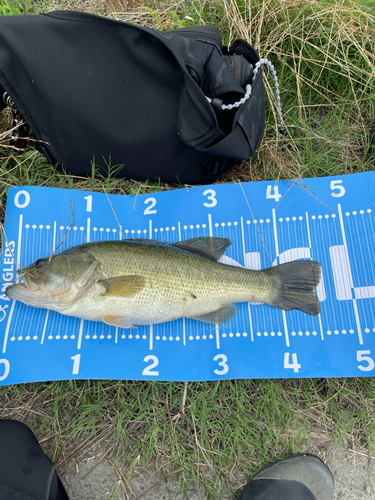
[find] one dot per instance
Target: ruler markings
(359, 330)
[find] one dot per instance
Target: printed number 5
(361, 357)
(222, 363)
(340, 188)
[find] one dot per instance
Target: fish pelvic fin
(209, 247)
(119, 321)
(123, 286)
(295, 284)
(221, 315)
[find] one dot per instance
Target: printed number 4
(276, 195)
(295, 365)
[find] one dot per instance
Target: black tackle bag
(141, 103)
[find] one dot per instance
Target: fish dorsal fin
(145, 240)
(221, 315)
(210, 247)
(123, 286)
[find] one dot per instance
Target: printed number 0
(210, 193)
(340, 188)
(361, 357)
(17, 199)
(147, 370)
(7, 368)
(148, 210)
(222, 363)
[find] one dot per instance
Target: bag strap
(208, 34)
(234, 145)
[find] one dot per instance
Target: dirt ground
(91, 480)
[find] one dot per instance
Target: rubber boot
(299, 477)
(26, 473)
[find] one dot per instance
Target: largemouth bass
(143, 282)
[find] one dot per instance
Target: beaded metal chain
(260, 63)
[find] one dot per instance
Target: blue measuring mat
(330, 220)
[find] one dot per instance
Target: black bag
(143, 103)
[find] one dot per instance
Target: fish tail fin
(295, 284)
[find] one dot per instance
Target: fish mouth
(21, 292)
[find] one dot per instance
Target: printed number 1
(89, 203)
(77, 360)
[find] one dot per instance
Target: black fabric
(26, 473)
(275, 489)
(128, 99)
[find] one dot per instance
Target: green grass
(324, 54)
(223, 433)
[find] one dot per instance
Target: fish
(142, 282)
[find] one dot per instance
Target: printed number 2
(6, 370)
(147, 370)
(334, 185)
(361, 356)
(276, 195)
(295, 365)
(148, 210)
(222, 363)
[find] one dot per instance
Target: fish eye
(39, 263)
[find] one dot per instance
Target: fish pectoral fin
(221, 315)
(123, 286)
(211, 248)
(120, 321)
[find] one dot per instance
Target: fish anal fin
(123, 286)
(221, 315)
(211, 248)
(119, 321)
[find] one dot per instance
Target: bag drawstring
(237, 104)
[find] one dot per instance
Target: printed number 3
(210, 193)
(222, 363)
